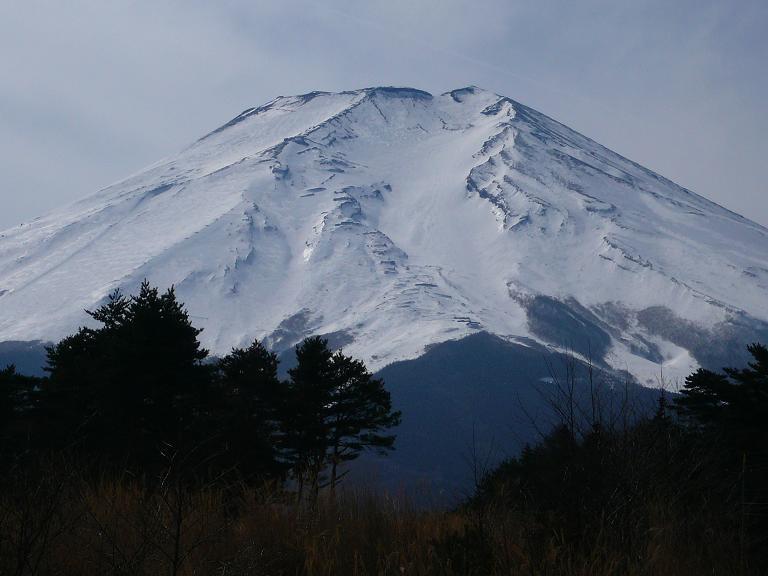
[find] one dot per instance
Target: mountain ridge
(396, 219)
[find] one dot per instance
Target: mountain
(393, 220)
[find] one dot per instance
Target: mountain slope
(392, 220)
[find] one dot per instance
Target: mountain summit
(391, 219)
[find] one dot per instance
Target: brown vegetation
(54, 520)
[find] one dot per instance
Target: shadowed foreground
(54, 520)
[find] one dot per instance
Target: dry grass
(122, 527)
(58, 523)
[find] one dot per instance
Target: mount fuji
(392, 220)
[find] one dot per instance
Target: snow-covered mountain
(391, 219)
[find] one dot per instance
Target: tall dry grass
(61, 523)
(54, 520)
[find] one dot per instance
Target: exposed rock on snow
(400, 220)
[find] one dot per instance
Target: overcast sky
(93, 90)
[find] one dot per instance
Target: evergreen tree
(251, 412)
(157, 363)
(306, 428)
(359, 413)
(8, 395)
(337, 409)
(18, 398)
(134, 384)
(730, 411)
(68, 411)
(732, 405)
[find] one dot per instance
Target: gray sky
(93, 90)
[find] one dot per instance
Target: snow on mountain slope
(392, 219)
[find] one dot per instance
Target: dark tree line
(139, 391)
(692, 477)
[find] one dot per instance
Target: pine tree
(18, 398)
(305, 423)
(251, 412)
(730, 412)
(359, 413)
(133, 385)
(734, 404)
(8, 395)
(337, 409)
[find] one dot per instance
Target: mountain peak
(398, 92)
(393, 219)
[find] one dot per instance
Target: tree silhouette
(253, 398)
(18, 397)
(136, 383)
(732, 405)
(305, 424)
(336, 410)
(359, 413)
(135, 393)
